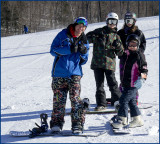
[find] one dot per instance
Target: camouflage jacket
(106, 45)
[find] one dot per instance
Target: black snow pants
(112, 84)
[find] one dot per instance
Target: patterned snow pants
(60, 87)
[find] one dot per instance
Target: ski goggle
(129, 21)
(112, 21)
(133, 44)
(82, 21)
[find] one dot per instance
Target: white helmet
(112, 15)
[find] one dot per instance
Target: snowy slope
(26, 88)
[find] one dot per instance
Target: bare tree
(72, 10)
(146, 9)
(138, 8)
(152, 8)
(99, 11)
(44, 15)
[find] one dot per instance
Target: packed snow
(26, 89)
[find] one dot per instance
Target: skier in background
(70, 49)
(25, 29)
(133, 71)
(106, 45)
(129, 27)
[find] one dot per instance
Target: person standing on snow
(133, 71)
(25, 29)
(70, 49)
(130, 28)
(106, 45)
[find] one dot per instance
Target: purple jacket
(132, 64)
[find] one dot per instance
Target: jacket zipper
(124, 67)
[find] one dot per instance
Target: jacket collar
(70, 30)
(110, 30)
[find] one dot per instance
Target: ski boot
(119, 122)
(136, 122)
(77, 128)
(40, 129)
(100, 108)
(56, 127)
(108, 101)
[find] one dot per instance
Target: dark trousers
(137, 94)
(112, 84)
(128, 99)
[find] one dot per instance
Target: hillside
(26, 88)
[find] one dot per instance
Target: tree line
(47, 15)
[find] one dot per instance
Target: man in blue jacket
(70, 49)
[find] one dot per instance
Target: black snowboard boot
(77, 128)
(56, 127)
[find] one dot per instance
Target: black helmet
(132, 37)
(130, 15)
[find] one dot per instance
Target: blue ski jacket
(66, 63)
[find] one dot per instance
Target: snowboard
(123, 130)
(89, 108)
(48, 133)
(111, 110)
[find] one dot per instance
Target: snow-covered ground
(26, 88)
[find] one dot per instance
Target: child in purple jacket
(133, 70)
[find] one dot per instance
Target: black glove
(116, 43)
(82, 49)
(73, 48)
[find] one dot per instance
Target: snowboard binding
(115, 119)
(86, 104)
(40, 129)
